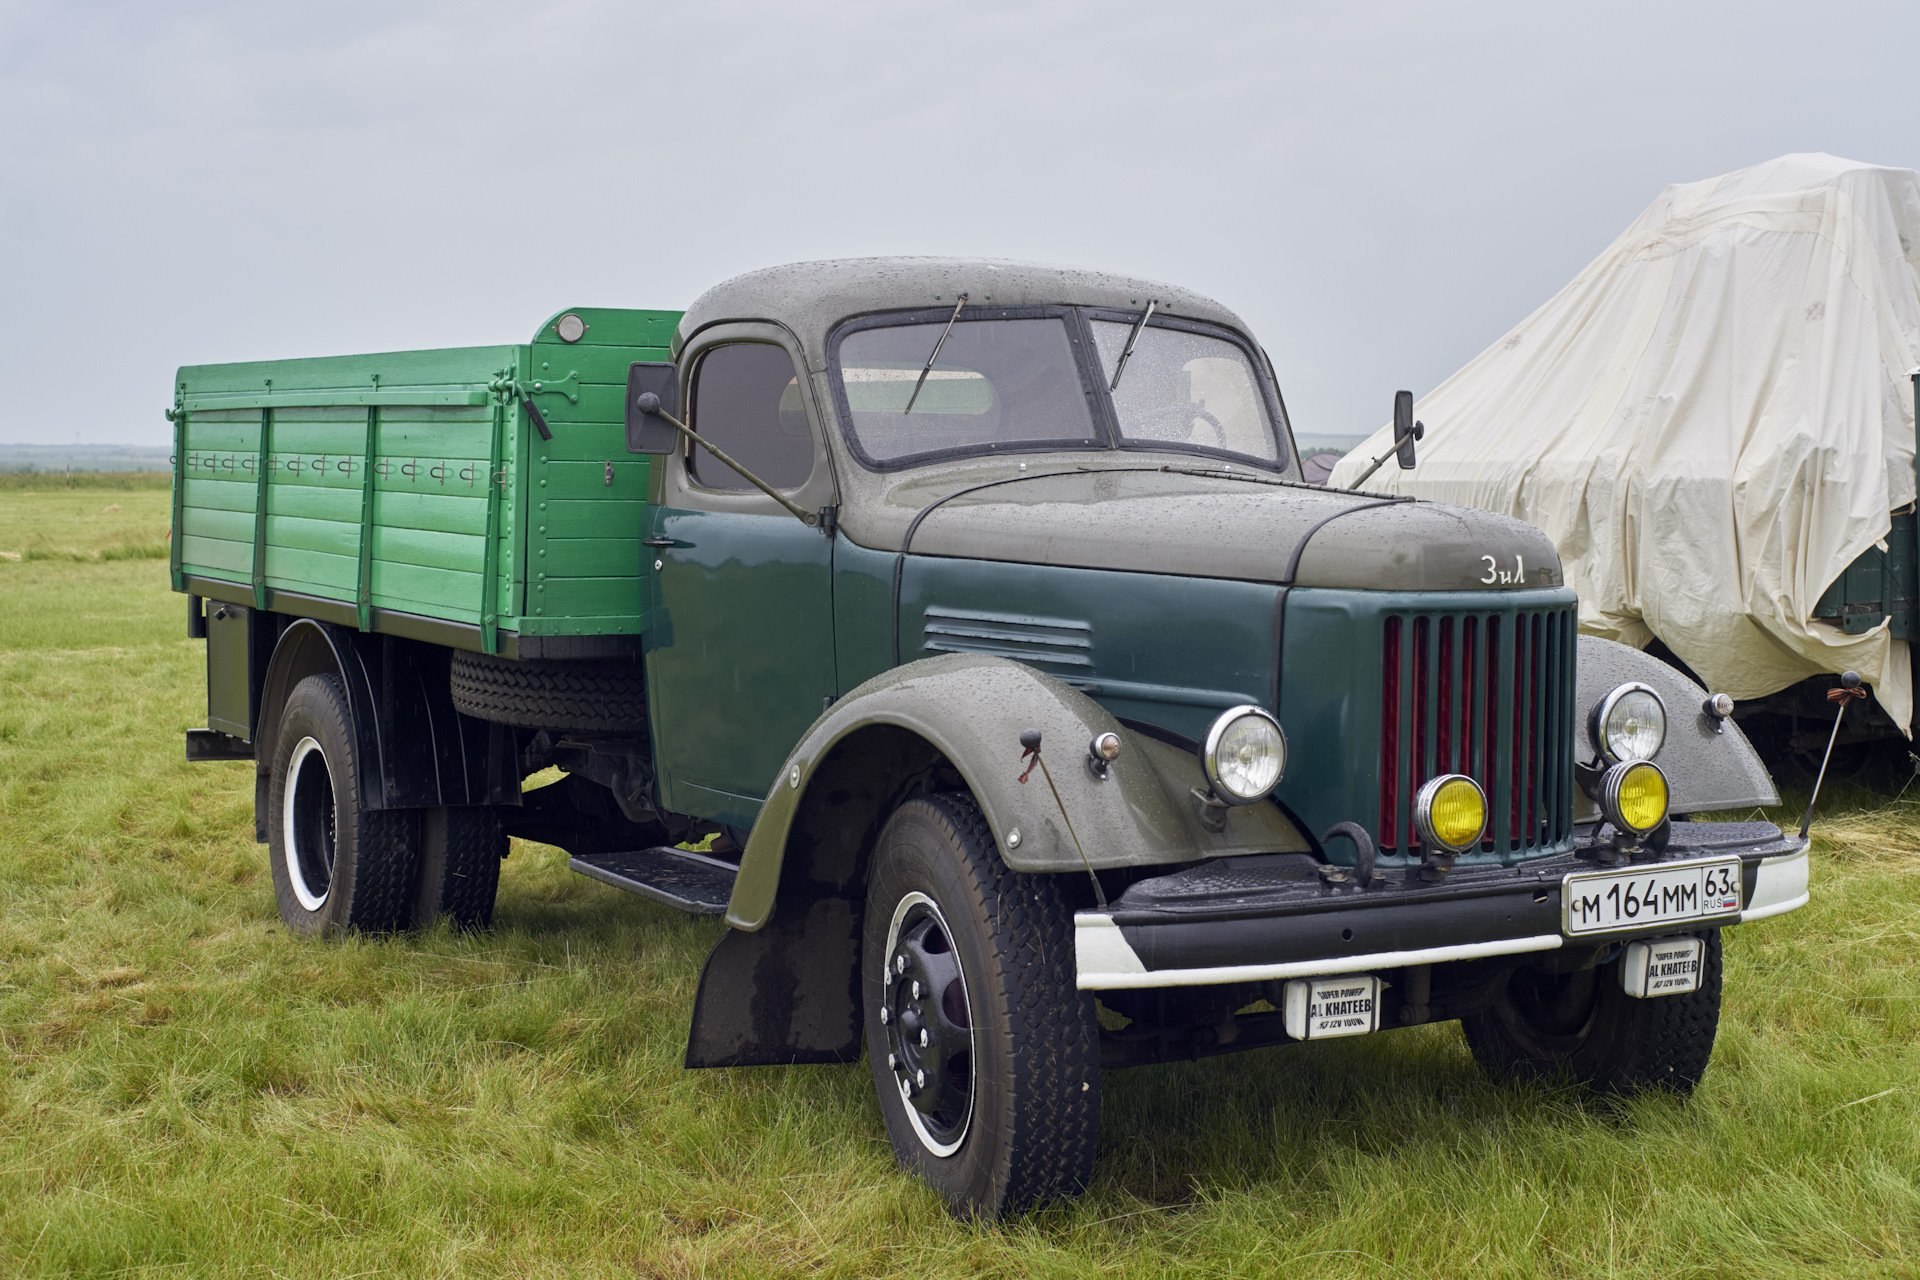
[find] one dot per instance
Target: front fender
(1706, 770)
(972, 709)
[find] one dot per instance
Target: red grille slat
(1390, 738)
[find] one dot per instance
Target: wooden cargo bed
(413, 492)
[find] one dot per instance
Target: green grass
(189, 1091)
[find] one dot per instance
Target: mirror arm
(808, 518)
(1413, 432)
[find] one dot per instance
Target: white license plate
(1320, 1008)
(1611, 901)
(1655, 967)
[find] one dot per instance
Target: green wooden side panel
(415, 481)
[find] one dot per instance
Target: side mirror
(659, 384)
(1405, 429)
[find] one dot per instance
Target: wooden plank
(205, 493)
(457, 368)
(313, 470)
(329, 396)
(587, 480)
(417, 589)
(315, 572)
(591, 557)
(315, 502)
(587, 597)
(593, 518)
(230, 526)
(455, 552)
(588, 363)
(224, 434)
(335, 537)
(332, 439)
(432, 512)
(588, 442)
(215, 557)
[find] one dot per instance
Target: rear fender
(1707, 769)
(415, 750)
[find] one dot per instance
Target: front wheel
(1585, 1026)
(984, 1055)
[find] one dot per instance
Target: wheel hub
(929, 1024)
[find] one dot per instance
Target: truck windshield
(1185, 389)
(1000, 383)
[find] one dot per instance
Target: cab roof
(810, 298)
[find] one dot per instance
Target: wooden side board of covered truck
(978, 612)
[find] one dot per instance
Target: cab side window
(747, 400)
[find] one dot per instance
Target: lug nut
(900, 964)
(919, 1079)
(923, 1037)
(916, 988)
(893, 1064)
(886, 1015)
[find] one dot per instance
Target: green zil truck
(964, 633)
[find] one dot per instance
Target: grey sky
(1380, 189)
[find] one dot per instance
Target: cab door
(740, 654)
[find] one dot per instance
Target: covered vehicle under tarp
(1712, 421)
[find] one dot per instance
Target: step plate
(690, 881)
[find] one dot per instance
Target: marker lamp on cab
(1633, 796)
(1630, 723)
(1245, 754)
(1450, 812)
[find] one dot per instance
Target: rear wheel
(460, 853)
(337, 866)
(984, 1054)
(1585, 1026)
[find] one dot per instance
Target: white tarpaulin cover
(1711, 421)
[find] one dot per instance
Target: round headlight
(1630, 723)
(1633, 795)
(1450, 811)
(1245, 754)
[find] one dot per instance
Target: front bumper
(1268, 917)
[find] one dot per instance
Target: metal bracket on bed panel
(490, 554)
(363, 582)
(260, 512)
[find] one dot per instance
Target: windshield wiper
(934, 355)
(1132, 338)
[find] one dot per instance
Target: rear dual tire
(339, 867)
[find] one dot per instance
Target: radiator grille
(1489, 695)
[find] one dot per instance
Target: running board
(692, 882)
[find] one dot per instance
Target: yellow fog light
(1634, 796)
(1450, 811)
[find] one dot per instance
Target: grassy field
(189, 1091)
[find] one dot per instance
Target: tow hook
(1363, 855)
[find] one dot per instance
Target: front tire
(984, 1055)
(1583, 1025)
(337, 866)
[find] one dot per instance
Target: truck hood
(1200, 524)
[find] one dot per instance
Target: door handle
(657, 541)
